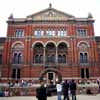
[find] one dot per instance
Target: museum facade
(50, 45)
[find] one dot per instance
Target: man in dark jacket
(73, 89)
(65, 90)
(41, 92)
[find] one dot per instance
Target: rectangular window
(87, 73)
(82, 73)
(19, 33)
(62, 33)
(50, 33)
(39, 33)
(81, 32)
(0, 58)
(83, 58)
(16, 73)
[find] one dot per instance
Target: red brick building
(52, 45)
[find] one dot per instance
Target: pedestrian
(65, 90)
(73, 89)
(41, 92)
(98, 82)
(6, 93)
(59, 90)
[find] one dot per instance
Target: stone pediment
(50, 14)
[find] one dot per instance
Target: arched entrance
(51, 74)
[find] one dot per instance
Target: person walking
(65, 90)
(59, 90)
(98, 82)
(41, 92)
(73, 89)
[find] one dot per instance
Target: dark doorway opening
(50, 76)
(82, 73)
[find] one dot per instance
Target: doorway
(51, 74)
(51, 77)
(84, 73)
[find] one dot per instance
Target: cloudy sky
(23, 8)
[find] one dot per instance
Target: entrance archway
(51, 74)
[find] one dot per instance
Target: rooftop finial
(50, 5)
(11, 16)
(90, 15)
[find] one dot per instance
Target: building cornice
(25, 20)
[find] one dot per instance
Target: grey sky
(23, 8)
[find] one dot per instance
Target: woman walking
(59, 90)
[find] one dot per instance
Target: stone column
(56, 55)
(44, 56)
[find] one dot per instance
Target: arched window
(64, 59)
(17, 53)
(83, 49)
(41, 58)
(62, 52)
(59, 58)
(52, 58)
(50, 52)
(38, 53)
(48, 58)
(37, 59)
(19, 58)
(83, 58)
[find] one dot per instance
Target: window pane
(15, 58)
(87, 73)
(59, 58)
(81, 32)
(36, 59)
(81, 58)
(41, 58)
(82, 73)
(19, 58)
(14, 73)
(0, 58)
(58, 33)
(85, 58)
(35, 33)
(64, 59)
(18, 73)
(42, 33)
(19, 33)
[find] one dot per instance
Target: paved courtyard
(79, 97)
